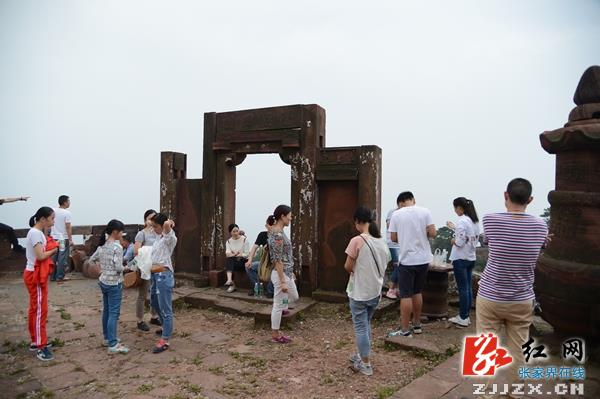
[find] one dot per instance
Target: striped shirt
(515, 240)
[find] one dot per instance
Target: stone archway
(326, 186)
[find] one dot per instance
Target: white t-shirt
(410, 223)
(61, 218)
(390, 243)
(466, 237)
(34, 237)
(371, 259)
(239, 245)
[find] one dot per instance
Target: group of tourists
(505, 296)
(46, 250)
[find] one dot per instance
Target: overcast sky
(454, 92)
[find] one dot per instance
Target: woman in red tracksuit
(39, 250)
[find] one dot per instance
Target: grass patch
(326, 380)
(43, 393)
(181, 306)
(421, 371)
(175, 361)
(178, 396)
(385, 392)
(145, 388)
(197, 361)
(340, 344)
(57, 343)
(17, 371)
(216, 370)
(78, 325)
(193, 388)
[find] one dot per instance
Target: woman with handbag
(145, 238)
(236, 251)
(282, 276)
(366, 261)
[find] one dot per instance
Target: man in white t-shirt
(411, 227)
(62, 230)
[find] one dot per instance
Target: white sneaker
(105, 342)
(231, 288)
(460, 321)
(118, 348)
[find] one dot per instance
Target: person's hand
(284, 287)
(169, 223)
(25, 198)
(450, 225)
(248, 264)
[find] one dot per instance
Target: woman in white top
(464, 243)
(368, 256)
(36, 281)
(145, 237)
(236, 251)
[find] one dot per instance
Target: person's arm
(460, 235)
(349, 265)
(394, 237)
(393, 229)
(118, 259)
(431, 231)
(13, 199)
(228, 251)
(251, 255)
(40, 254)
(69, 232)
(96, 256)
(351, 254)
(276, 254)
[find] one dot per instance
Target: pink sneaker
(285, 312)
(391, 294)
(282, 339)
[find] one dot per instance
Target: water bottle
(260, 290)
(444, 256)
(61, 244)
(256, 290)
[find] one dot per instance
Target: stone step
(238, 303)
(415, 343)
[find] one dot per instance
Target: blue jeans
(111, 298)
(61, 259)
(163, 300)
(395, 253)
(463, 270)
(252, 273)
(362, 313)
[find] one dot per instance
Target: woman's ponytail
(271, 220)
(43, 212)
(103, 237)
(365, 215)
(468, 208)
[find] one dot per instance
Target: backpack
(264, 266)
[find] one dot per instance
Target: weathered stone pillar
(568, 273)
(173, 166)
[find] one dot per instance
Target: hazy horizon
(456, 95)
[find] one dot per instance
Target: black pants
(10, 233)
(235, 264)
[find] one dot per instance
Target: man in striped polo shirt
(505, 296)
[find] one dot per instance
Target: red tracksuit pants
(38, 308)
